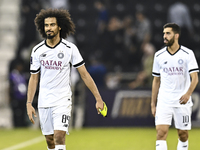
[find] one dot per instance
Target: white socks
(60, 147)
(161, 145)
(182, 145)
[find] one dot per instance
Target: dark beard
(170, 43)
(50, 36)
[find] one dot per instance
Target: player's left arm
(194, 81)
(89, 82)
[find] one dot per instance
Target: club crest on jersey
(180, 61)
(60, 55)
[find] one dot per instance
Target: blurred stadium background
(108, 40)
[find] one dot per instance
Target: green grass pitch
(132, 138)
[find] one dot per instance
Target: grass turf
(100, 138)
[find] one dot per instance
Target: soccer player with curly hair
(51, 62)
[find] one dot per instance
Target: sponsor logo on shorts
(185, 146)
(65, 125)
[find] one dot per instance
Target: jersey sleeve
(156, 68)
(76, 59)
(192, 63)
(34, 63)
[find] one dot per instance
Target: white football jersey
(54, 66)
(174, 72)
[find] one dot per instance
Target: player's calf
(59, 137)
(50, 141)
(183, 135)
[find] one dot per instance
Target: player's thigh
(61, 117)
(163, 115)
(46, 122)
(182, 118)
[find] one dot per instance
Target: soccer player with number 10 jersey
(175, 72)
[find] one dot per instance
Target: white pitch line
(25, 144)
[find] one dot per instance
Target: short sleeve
(156, 68)
(34, 63)
(192, 63)
(76, 59)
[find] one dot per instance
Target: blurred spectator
(98, 71)
(59, 4)
(114, 42)
(179, 13)
(17, 93)
(140, 36)
(128, 30)
(144, 77)
(114, 24)
(102, 19)
(142, 29)
(29, 9)
(101, 28)
(113, 80)
(130, 46)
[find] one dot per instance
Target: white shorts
(181, 116)
(54, 118)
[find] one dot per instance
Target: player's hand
(99, 105)
(31, 112)
(184, 99)
(153, 110)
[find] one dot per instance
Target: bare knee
(59, 137)
(50, 141)
(162, 132)
(183, 135)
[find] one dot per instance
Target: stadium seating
(9, 16)
(84, 15)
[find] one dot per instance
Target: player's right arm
(32, 86)
(155, 89)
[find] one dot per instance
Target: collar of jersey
(175, 52)
(54, 46)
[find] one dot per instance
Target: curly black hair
(63, 19)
